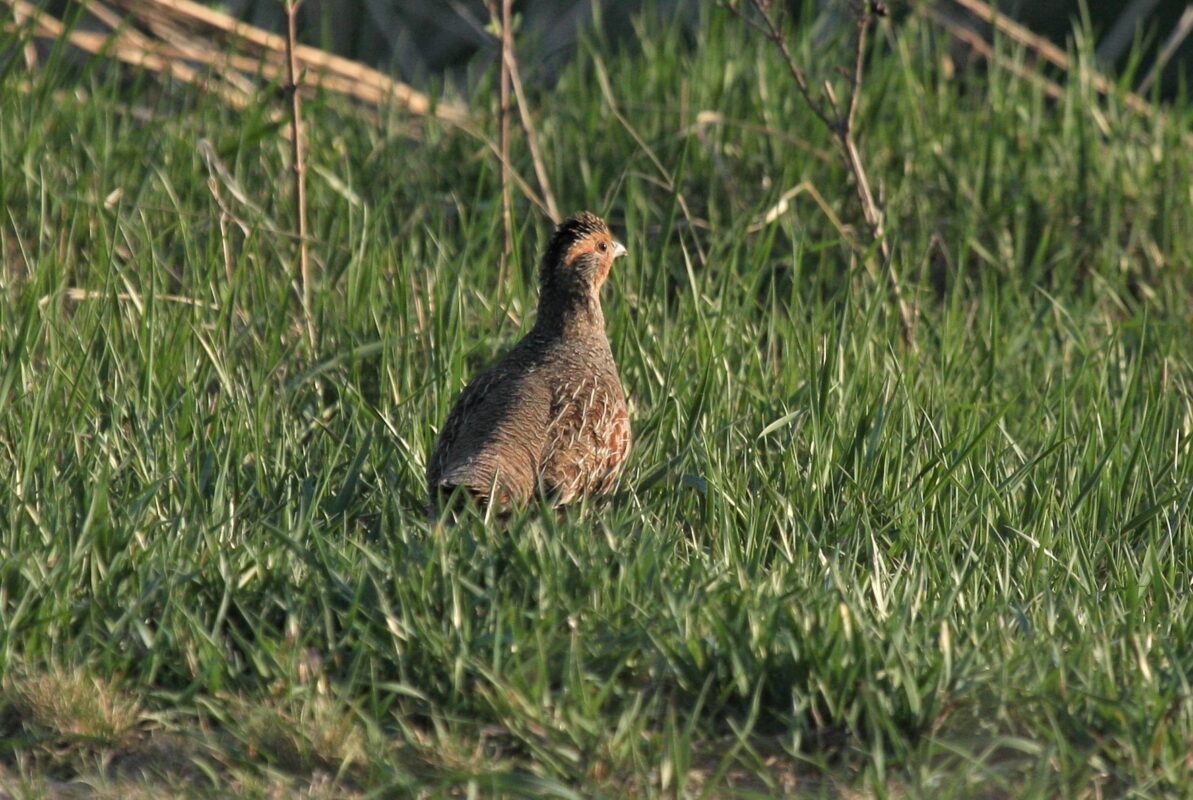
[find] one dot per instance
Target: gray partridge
(549, 419)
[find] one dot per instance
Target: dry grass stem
(374, 87)
(78, 295)
(515, 177)
(974, 41)
(667, 178)
(842, 124)
(196, 35)
(232, 54)
(299, 167)
(1175, 39)
(784, 203)
(217, 173)
(127, 46)
(20, 13)
(708, 118)
(1051, 53)
(500, 18)
(536, 157)
(1044, 49)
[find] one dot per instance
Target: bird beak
(618, 249)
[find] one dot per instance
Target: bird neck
(570, 313)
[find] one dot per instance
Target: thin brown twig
(774, 32)
(299, 167)
(217, 173)
(1178, 35)
(784, 203)
(226, 215)
(667, 179)
(870, 210)
(536, 157)
(507, 193)
(250, 52)
(500, 19)
(1040, 47)
(29, 49)
(859, 60)
(842, 126)
(1051, 53)
(376, 87)
(708, 118)
(525, 188)
(75, 294)
(124, 45)
(974, 41)
(1008, 27)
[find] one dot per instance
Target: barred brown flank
(549, 419)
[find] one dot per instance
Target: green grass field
(836, 566)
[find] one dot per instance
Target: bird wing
(496, 429)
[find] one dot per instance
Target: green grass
(836, 566)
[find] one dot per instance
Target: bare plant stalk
(299, 166)
(870, 210)
(1039, 47)
(540, 169)
(501, 18)
(841, 123)
(21, 15)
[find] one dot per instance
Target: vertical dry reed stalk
(298, 157)
(840, 119)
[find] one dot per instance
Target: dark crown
(570, 231)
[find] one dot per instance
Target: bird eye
(604, 246)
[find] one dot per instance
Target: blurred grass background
(838, 567)
(422, 40)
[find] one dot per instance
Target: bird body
(548, 419)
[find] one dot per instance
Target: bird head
(579, 256)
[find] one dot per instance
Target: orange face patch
(585, 246)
